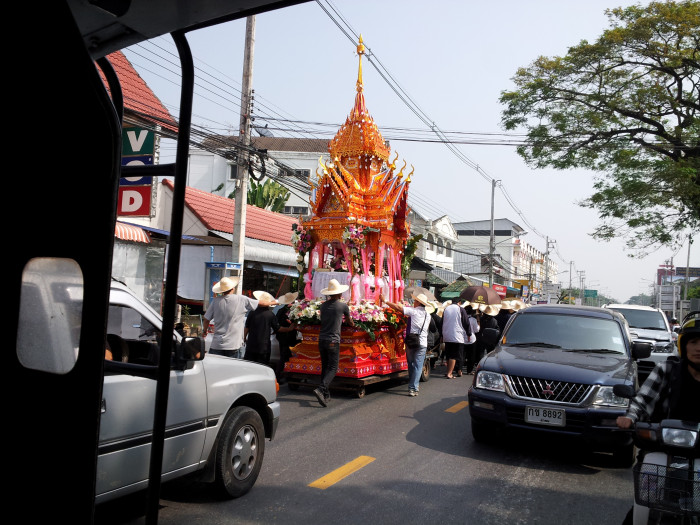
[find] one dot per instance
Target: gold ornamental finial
(360, 52)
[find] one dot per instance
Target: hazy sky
(450, 60)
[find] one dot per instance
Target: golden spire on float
(359, 137)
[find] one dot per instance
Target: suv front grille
(553, 391)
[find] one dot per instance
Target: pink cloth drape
(356, 292)
(308, 292)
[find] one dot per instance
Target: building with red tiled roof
(270, 260)
(216, 215)
(140, 103)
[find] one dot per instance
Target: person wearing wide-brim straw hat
(227, 311)
(288, 298)
(457, 330)
(517, 305)
(288, 339)
(488, 320)
(416, 340)
(258, 326)
(334, 313)
(505, 314)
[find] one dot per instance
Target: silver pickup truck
(220, 410)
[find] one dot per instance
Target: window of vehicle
(648, 319)
(568, 332)
(131, 337)
(50, 315)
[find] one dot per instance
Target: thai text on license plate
(546, 416)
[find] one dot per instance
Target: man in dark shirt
(286, 340)
(333, 312)
(260, 324)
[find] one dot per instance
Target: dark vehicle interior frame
(69, 215)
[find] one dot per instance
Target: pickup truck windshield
(645, 319)
(568, 332)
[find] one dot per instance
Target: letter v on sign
(137, 141)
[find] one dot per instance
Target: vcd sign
(138, 148)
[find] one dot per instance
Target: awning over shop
(280, 270)
(265, 252)
(129, 232)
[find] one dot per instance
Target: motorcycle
(667, 478)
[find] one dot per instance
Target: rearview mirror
(641, 349)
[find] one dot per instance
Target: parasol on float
(480, 296)
(408, 292)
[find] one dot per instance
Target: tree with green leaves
(409, 252)
(269, 195)
(626, 106)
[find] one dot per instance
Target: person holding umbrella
(417, 338)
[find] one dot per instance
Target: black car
(553, 371)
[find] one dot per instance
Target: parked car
(649, 324)
(220, 410)
(553, 371)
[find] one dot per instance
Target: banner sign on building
(500, 289)
(138, 148)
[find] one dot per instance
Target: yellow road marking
(459, 406)
(342, 472)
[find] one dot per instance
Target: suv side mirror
(191, 349)
(641, 349)
(624, 391)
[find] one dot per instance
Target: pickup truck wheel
(240, 451)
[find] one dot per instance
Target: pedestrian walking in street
(504, 314)
(333, 313)
(417, 339)
(470, 346)
(227, 311)
(487, 319)
(456, 330)
(260, 324)
(286, 340)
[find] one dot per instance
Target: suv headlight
(607, 398)
(490, 381)
(665, 348)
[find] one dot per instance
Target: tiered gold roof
(360, 186)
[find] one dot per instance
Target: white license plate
(555, 417)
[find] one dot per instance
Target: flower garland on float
(366, 315)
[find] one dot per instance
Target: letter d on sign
(131, 201)
(134, 201)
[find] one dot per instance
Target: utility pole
(492, 244)
(582, 278)
(687, 279)
(239, 216)
(571, 269)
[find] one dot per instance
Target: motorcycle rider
(672, 390)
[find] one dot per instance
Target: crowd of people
(243, 326)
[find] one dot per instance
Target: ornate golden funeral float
(356, 234)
